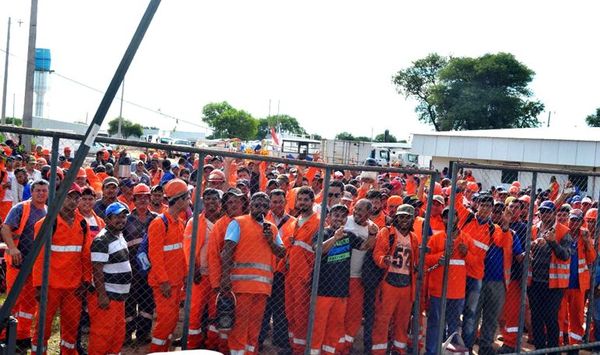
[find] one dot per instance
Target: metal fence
(318, 264)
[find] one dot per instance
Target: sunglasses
(336, 194)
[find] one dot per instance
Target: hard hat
(592, 213)
(175, 188)
(141, 189)
(81, 173)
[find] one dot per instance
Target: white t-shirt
(204, 249)
(358, 256)
(8, 195)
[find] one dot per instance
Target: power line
(140, 106)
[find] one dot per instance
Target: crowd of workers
(256, 241)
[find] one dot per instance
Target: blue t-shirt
(574, 269)
(519, 234)
(494, 260)
(13, 220)
(167, 176)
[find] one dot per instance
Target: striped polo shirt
(112, 252)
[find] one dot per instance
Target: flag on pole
(275, 136)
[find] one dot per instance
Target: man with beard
(233, 204)
(377, 215)
(300, 262)
(112, 281)
(397, 290)
(360, 225)
(110, 189)
(201, 288)
(139, 306)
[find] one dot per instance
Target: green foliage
(128, 128)
(286, 123)
(316, 137)
(382, 137)
(593, 120)
(418, 81)
(14, 121)
(488, 92)
(345, 136)
(228, 122)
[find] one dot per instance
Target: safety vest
(558, 274)
(24, 217)
(253, 259)
(584, 259)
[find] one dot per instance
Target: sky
(327, 63)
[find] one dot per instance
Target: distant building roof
(570, 147)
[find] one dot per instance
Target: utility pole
(119, 133)
(28, 105)
(549, 116)
(5, 85)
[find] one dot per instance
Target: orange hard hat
(395, 200)
(437, 190)
(7, 150)
(175, 188)
(45, 152)
(472, 186)
(141, 189)
(525, 198)
(592, 213)
(517, 184)
(513, 189)
(142, 156)
(155, 156)
(81, 173)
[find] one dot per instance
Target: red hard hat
(81, 173)
(591, 213)
(141, 189)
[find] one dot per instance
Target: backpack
(371, 274)
(141, 256)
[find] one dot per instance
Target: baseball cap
(586, 200)
(338, 174)
(525, 198)
(216, 175)
(405, 209)
(397, 184)
(115, 208)
(127, 183)
(110, 180)
(348, 196)
(283, 177)
(500, 188)
(576, 214)
(243, 182)
(75, 188)
(575, 199)
(272, 182)
(412, 200)
(547, 205)
(439, 199)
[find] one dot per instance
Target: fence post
(192, 258)
(591, 304)
(41, 317)
(317, 269)
(524, 277)
(10, 347)
(421, 268)
(87, 141)
(447, 255)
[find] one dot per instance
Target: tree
(418, 81)
(385, 137)
(593, 120)
(345, 136)
(488, 92)
(128, 128)
(15, 121)
(285, 123)
(228, 122)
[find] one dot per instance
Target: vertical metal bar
(191, 268)
(421, 270)
(317, 269)
(447, 255)
(87, 141)
(524, 277)
(591, 305)
(47, 237)
(11, 336)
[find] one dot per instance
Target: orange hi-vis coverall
(165, 251)
(395, 296)
(216, 339)
(301, 259)
(571, 313)
(24, 308)
(70, 268)
(200, 291)
(251, 279)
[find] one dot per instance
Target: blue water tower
(42, 59)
